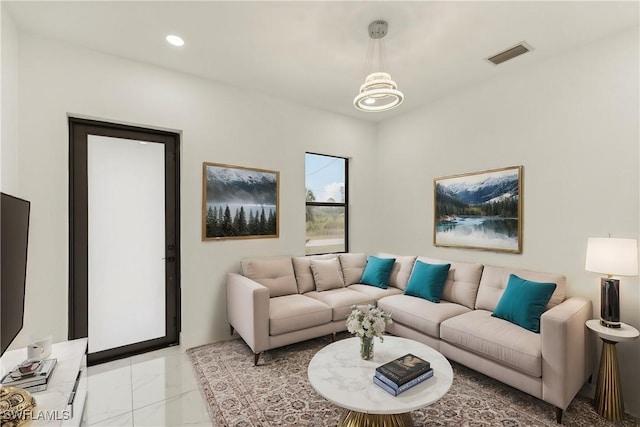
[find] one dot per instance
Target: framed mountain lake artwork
(480, 210)
(239, 202)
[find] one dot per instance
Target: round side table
(608, 401)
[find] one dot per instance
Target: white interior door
(126, 241)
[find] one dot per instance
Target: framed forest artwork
(239, 202)
(479, 210)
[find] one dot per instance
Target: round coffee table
(339, 375)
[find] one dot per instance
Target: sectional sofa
(279, 301)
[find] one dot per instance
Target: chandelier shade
(378, 92)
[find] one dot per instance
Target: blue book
(390, 387)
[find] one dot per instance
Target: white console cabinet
(62, 403)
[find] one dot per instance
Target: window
(327, 213)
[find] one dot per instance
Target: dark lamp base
(610, 302)
(609, 324)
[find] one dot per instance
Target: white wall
(9, 105)
(573, 123)
(218, 124)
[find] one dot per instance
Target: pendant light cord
(383, 55)
(368, 61)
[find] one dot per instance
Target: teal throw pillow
(427, 280)
(524, 301)
(377, 272)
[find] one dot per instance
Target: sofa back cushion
(462, 281)
(304, 275)
(401, 269)
(494, 281)
(327, 274)
(274, 273)
(352, 267)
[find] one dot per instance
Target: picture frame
(239, 202)
(479, 210)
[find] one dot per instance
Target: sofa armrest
(566, 354)
(248, 310)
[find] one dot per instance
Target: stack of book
(32, 376)
(401, 374)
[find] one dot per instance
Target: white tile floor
(152, 389)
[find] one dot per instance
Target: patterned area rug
(277, 393)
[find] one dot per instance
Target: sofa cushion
(375, 292)
(340, 301)
(295, 312)
(302, 270)
(401, 270)
(523, 302)
(495, 339)
(327, 274)
(420, 314)
(377, 271)
(494, 281)
(352, 267)
(274, 273)
(427, 281)
(462, 281)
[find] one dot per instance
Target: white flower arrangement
(368, 321)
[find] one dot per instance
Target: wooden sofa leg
(333, 337)
(590, 378)
(231, 329)
(256, 356)
(558, 415)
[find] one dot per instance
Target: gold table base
(359, 419)
(608, 401)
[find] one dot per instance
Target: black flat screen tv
(14, 234)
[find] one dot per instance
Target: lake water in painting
(479, 231)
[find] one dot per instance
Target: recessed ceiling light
(175, 40)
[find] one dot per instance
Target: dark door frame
(79, 130)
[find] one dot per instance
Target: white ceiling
(313, 53)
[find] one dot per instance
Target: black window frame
(344, 204)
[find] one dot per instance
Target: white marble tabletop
(339, 375)
(623, 333)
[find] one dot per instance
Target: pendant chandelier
(378, 92)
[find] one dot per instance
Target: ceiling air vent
(511, 53)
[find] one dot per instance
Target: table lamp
(613, 257)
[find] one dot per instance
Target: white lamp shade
(616, 257)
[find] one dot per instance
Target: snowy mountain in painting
(234, 185)
(490, 189)
(229, 176)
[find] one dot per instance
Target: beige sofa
(275, 302)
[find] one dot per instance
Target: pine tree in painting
(227, 223)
